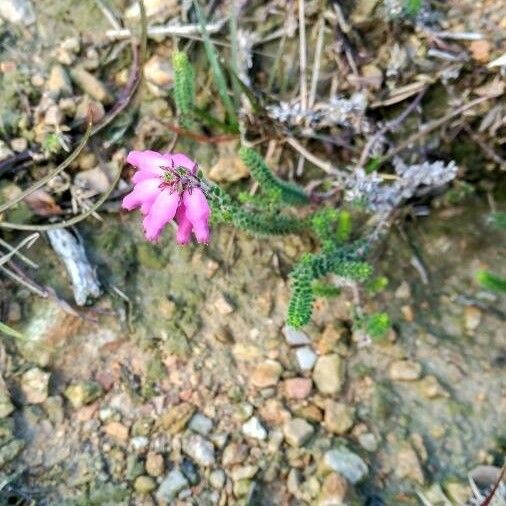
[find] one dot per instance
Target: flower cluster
(166, 187)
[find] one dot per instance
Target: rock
(368, 441)
(54, 409)
(408, 313)
(243, 472)
(174, 420)
(53, 116)
(298, 388)
(405, 370)
(329, 339)
(200, 450)
(345, 462)
(339, 417)
(458, 491)
(155, 465)
(142, 426)
(480, 50)
(223, 306)
(48, 327)
(306, 358)
(10, 451)
(217, 479)
(6, 406)
(80, 394)
(254, 429)
(295, 337)
(228, 168)
(34, 385)
(158, 71)
(328, 374)
(5, 152)
(90, 85)
(266, 374)
(234, 453)
(408, 465)
(18, 144)
(297, 432)
(139, 444)
(189, 469)
(17, 11)
(117, 431)
(86, 106)
(243, 488)
(201, 424)
(431, 388)
(309, 412)
(144, 484)
(472, 318)
(58, 83)
(173, 483)
(333, 491)
(403, 291)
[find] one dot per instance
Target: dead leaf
(42, 204)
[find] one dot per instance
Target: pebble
(6, 406)
(139, 443)
(328, 374)
(17, 11)
(144, 484)
(5, 151)
(254, 429)
(368, 441)
(339, 417)
(80, 394)
(173, 483)
(189, 469)
(217, 479)
(223, 306)
(431, 388)
(345, 462)
(228, 168)
(266, 374)
(85, 105)
(472, 318)
(158, 71)
(34, 385)
(54, 409)
(298, 388)
(19, 144)
(90, 85)
(58, 83)
(405, 370)
(403, 291)
(333, 491)
(201, 424)
(408, 465)
(9, 451)
(295, 337)
(155, 465)
(53, 116)
(243, 472)
(306, 358)
(297, 432)
(117, 431)
(234, 453)
(174, 420)
(200, 450)
(330, 338)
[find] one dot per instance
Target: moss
(148, 257)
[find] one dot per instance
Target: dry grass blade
(27, 241)
(19, 255)
(51, 175)
(66, 223)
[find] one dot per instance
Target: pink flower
(166, 187)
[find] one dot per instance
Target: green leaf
(218, 75)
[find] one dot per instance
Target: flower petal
(149, 161)
(197, 211)
(144, 191)
(161, 212)
(184, 226)
(142, 175)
